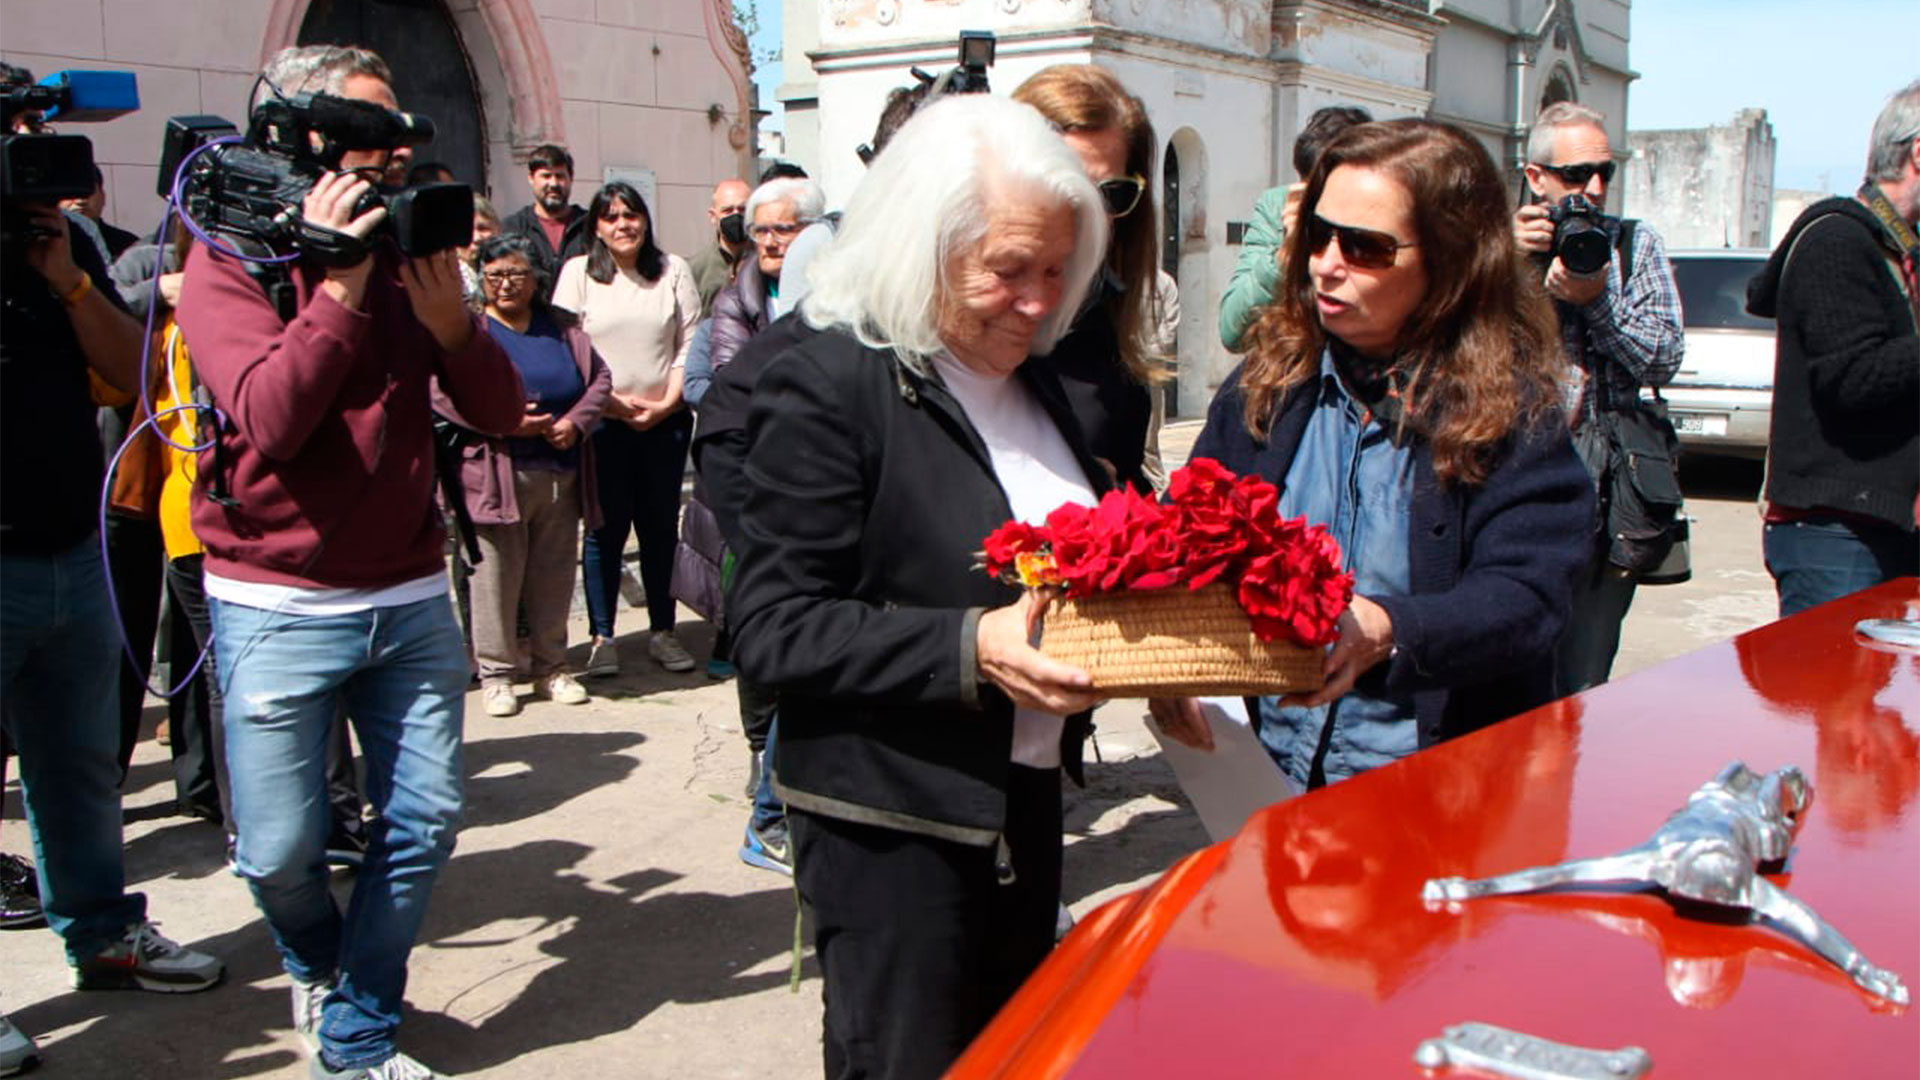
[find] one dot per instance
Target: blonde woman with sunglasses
(1402, 389)
(1110, 360)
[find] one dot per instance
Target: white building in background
(1228, 84)
(1704, 187)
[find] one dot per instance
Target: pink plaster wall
(622, 83)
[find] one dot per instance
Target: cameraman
(60, 328)
(325, 578)
(1619, 335)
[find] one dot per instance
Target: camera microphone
(351, 124)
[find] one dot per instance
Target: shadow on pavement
(613, 952)
(1147, 843)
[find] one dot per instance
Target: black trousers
(1583, 659)
(138, 563)
(193, 713)
(919, 939)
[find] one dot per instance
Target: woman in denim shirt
(1400, 390)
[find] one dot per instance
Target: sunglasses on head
(1580, 173)
(1122, 194)
(1364, 248)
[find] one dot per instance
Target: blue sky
(1821, 70)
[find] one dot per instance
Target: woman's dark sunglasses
(1122, 194)
(1580, 173)
(1364, 248)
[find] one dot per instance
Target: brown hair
(1480, 353)
(1082, 97)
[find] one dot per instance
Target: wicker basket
(1174, 643)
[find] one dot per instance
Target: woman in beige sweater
(639, 305)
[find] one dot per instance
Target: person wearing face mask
(715, 264)
(559, 229)
(1402, 389)
(325, 577)
(639, 305)
(1110, 360)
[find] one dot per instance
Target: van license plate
(1699, 424)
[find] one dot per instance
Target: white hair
(319, 69)
(926, 200)
(1551, 121)
(808, 201)
(1893, 132)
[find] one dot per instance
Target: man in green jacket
(1258, 271)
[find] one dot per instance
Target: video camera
(254, 187)
(1579, 240)
(969, 76)
(42, 166)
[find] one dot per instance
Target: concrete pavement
(595, 920)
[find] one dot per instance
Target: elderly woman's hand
(1031, 678)
(1366, 638)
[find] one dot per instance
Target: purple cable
(176, 204)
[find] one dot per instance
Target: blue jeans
(767, 808)
(1818, 559)
(59, 656)
(400, 673)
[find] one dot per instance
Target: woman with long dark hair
(639, 305)
(1402, 389)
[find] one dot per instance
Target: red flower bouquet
(1262, 595)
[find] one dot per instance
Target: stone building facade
(1704, 187)
(652, 90)
(1228, 84)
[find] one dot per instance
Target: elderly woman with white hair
(921, 736)
(776, 213)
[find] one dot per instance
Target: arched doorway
(1559, 87)
(431, 72)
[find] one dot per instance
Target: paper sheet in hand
(1237, 778)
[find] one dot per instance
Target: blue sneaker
(719, 669)
(768, 848)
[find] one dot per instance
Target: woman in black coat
(921, 736)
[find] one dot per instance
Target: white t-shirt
(1038, 471)
(298, 600)
(642, 329)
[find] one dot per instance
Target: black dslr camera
(969, 76)
(44, 167)
(1579, 240)
(254, 187)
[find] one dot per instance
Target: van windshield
(1713, 292)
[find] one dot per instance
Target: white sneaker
(499, 700)
(667, 651)
(144, 960)
(602, 659)
(17, 1051)
(397, 1067)
(308, 997)
(563, 689)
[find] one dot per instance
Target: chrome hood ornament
(1735, 828)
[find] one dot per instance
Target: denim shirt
(1349, 476)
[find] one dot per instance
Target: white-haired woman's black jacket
(858, 597)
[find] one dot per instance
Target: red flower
(1007, 543)
(1214, 527)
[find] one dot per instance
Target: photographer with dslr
(1619, 312)
(324, 568)
(61, 329)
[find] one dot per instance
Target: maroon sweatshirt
(328, 444)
